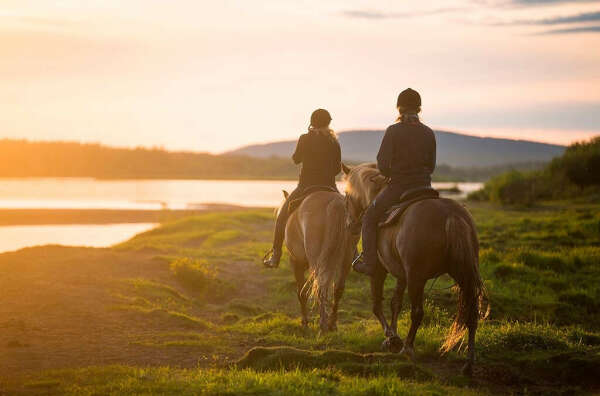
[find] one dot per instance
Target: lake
(87, 193)
(82, 193)
(17, 237)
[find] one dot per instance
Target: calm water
(79, 193)
(17, 237)
(75, 193)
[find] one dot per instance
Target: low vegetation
(575, 174)
(541, 267)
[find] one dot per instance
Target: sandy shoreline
(13, 217)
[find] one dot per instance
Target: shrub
(577, 171)
(580, 163)
(512, 187)
(194, 274)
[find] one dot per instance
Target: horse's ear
(285, 194)
(346, 168)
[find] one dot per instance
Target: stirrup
(361, 267)
(357, 259)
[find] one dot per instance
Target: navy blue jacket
(407, 154)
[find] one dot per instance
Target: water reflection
(17, 237)
(77, 193)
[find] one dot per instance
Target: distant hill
(454, 149)
(21, 158)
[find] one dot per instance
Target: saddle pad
(408, 198)
(294, 204)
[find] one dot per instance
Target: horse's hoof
(467, 370)
(409, 352)
(396, 344)
(386, 345)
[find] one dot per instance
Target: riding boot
(273, 261)
(361, 267)
(279, 235)
(367, 261)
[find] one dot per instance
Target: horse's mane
(364, 182)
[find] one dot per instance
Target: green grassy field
(187, 309)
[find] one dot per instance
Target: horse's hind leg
(395, 342)
(301, 290)
(415, 292)
(337, 296)
(467, 370)
(377, 281)
(323, 316)
(396, 303)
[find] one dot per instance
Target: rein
(355, 223)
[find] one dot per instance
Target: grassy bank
(187, 308)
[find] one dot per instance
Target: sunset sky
(212, 76)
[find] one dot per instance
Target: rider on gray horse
(320, 155)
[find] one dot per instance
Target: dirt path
(59, 308)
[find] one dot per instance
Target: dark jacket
(321, 159)
(407, 154)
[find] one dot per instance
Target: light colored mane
(364, 182)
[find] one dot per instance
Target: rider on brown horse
(407, 158)
(320, 155)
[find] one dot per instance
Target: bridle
(354, 224)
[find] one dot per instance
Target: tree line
(23, 158)
(575, 174)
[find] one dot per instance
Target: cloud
(546, 2)
(566, 116)
(370, 14)
(579, 18)
(581, 29)
(582, 18)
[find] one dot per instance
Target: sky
(213, 76)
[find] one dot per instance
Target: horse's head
(363, 183)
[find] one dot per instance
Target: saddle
(294, 204)
(407, 199)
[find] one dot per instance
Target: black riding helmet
(409, 99)
(320, 118)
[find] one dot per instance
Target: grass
(120, 380)
(541, 267)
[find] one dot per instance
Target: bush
(512, 187)
(575, 173)
(580, 163)
(194, 274)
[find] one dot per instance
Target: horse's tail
(322, 273)
(463, 253)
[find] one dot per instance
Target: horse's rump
(293, 205)
(316, 235)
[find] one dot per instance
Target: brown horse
(431, 238)
(317, 240)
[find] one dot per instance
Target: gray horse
(318, 241)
